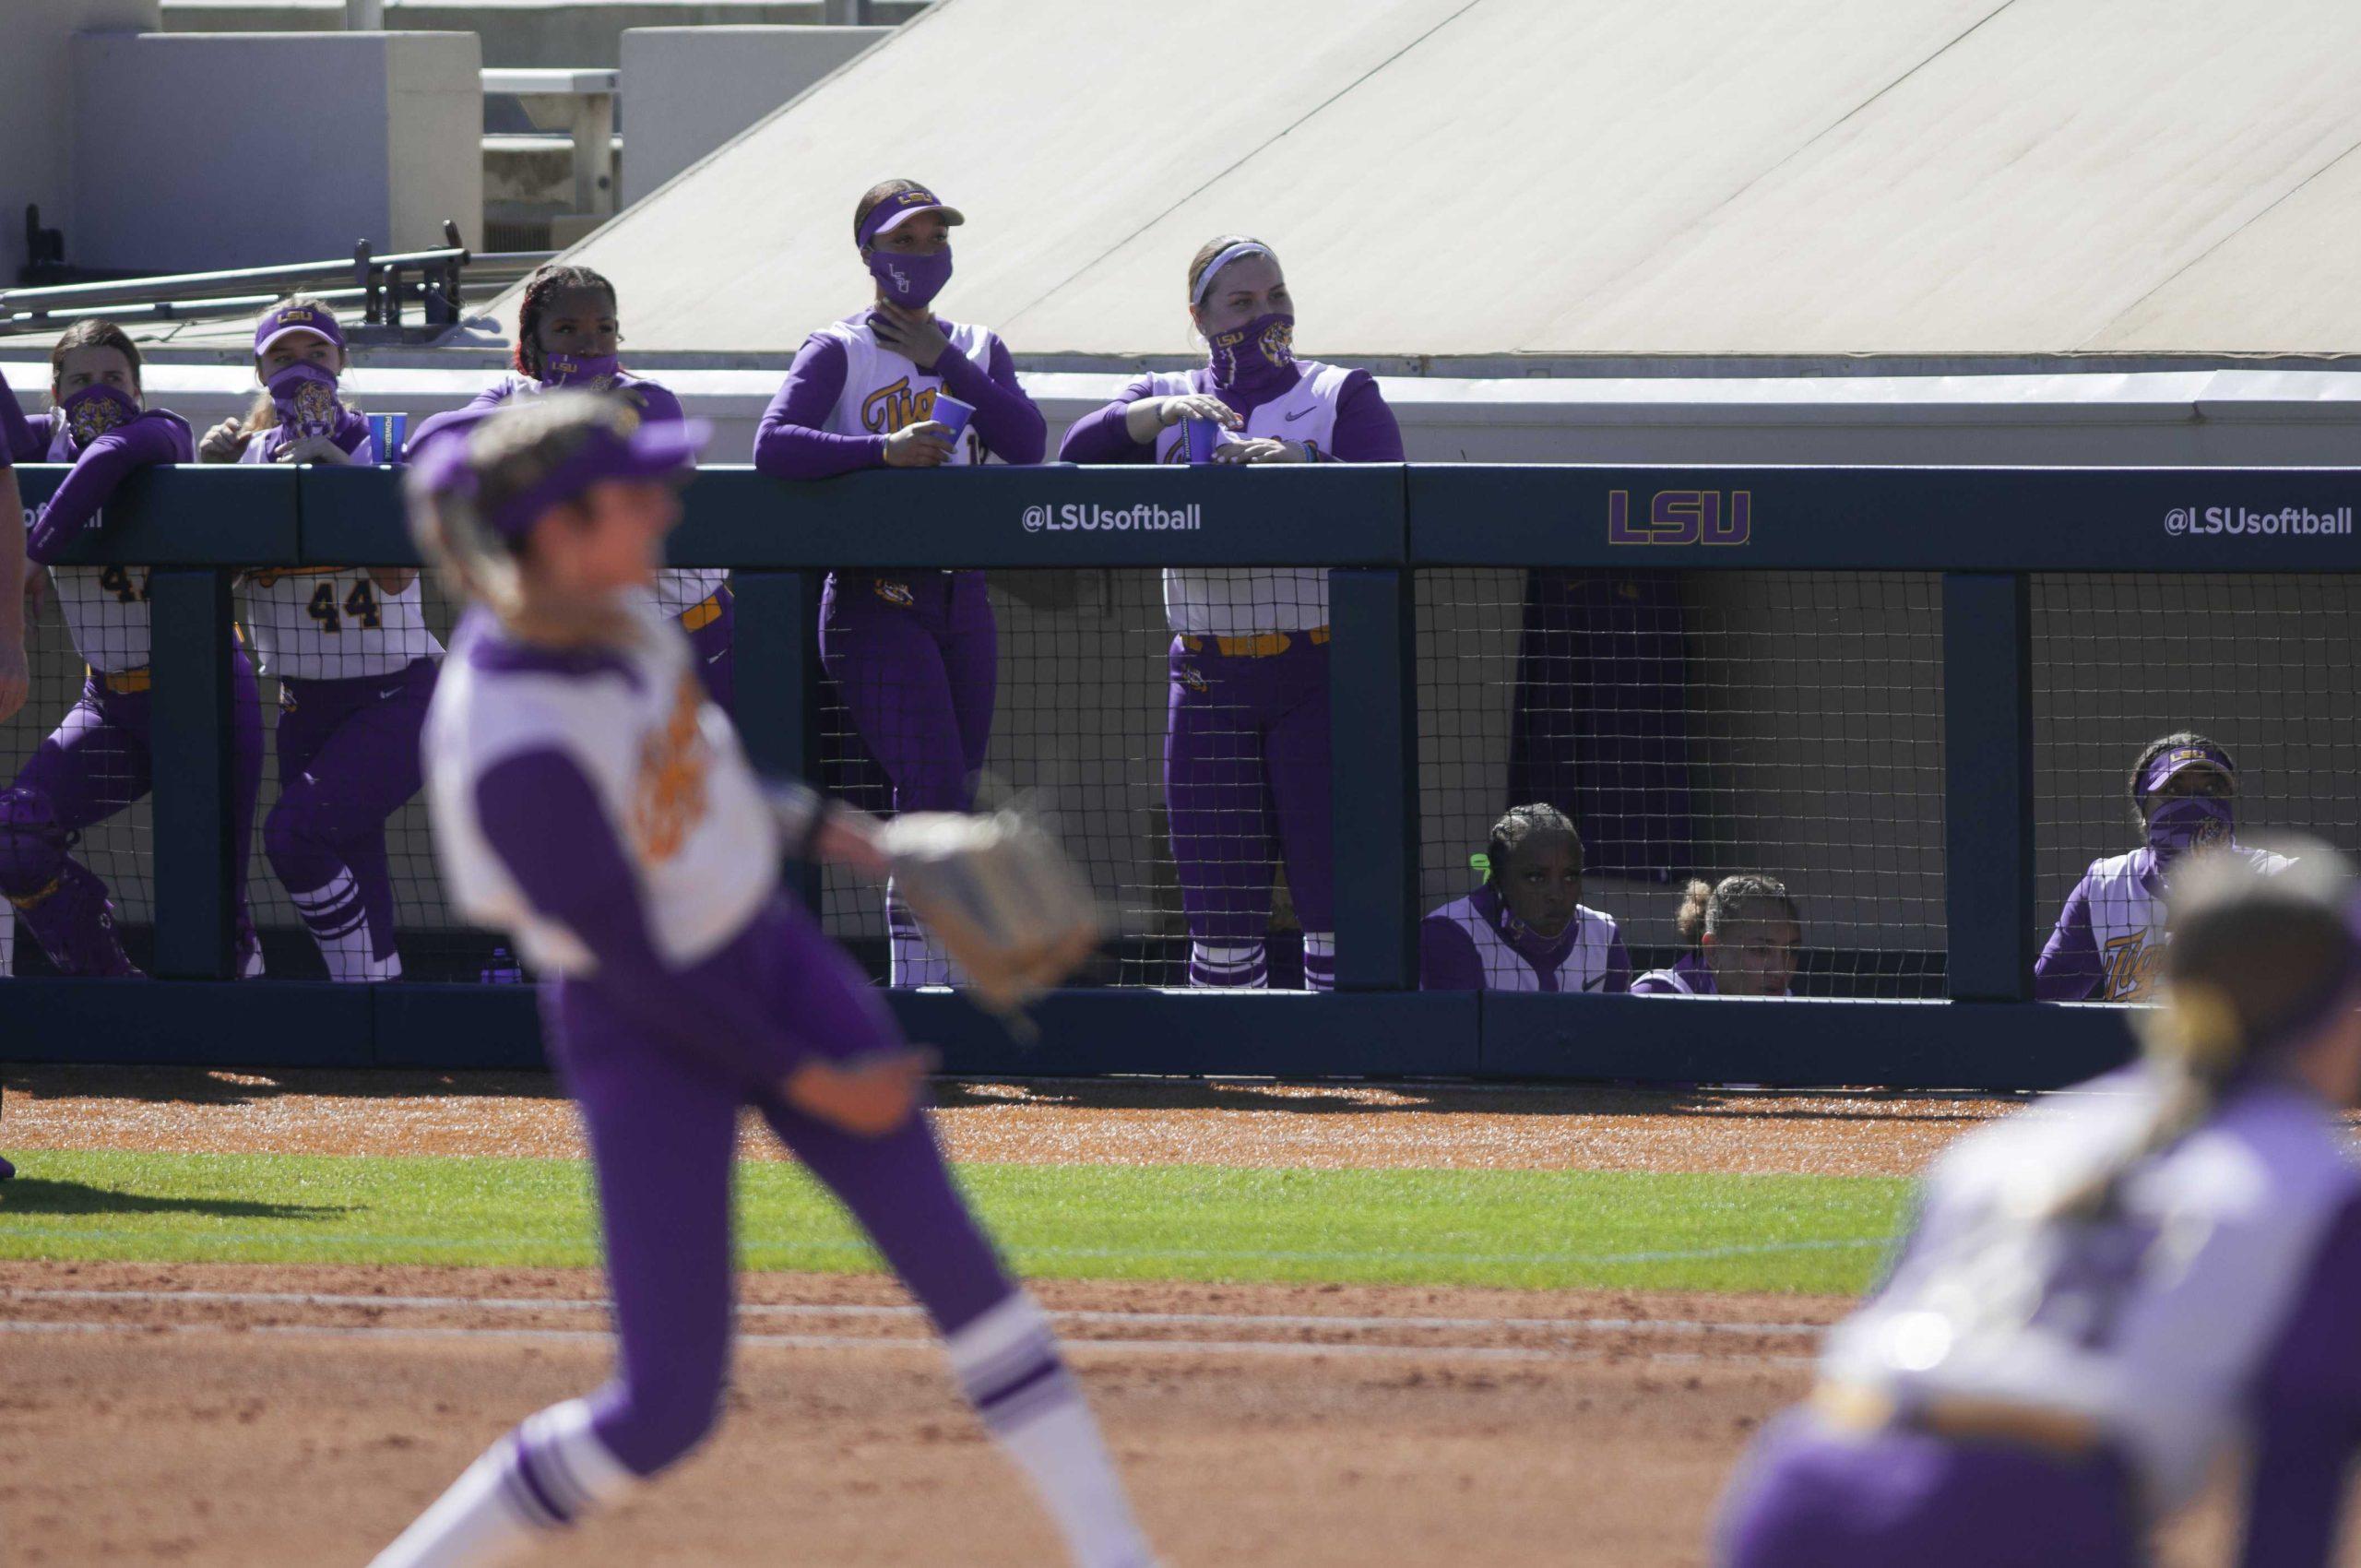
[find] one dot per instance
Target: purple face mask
(1256, 356)
(593, 372)
(911, 281)
(2196, 821)
(94, 410)
(304, 396)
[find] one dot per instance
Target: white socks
(1228, 966)
(547, 1473)
(339, 921)
(1007, 1363)
(1319, 960)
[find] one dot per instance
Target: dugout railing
(1982, 533)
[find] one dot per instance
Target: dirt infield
(263, 1416)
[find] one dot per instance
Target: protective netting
(1188, 772)
(2259, 664)
(1701, 725)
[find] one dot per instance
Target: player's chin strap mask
(910, 281)
(1257, 357)
(303, 394)
(94, 410)
(590, 373)
(2194, 821)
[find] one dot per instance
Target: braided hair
(2154, 749)
(2257, 964)
(1519, 825)
(546, 283)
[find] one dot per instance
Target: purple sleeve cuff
(2067, 969)
(791, 443)
(1447, 957)
(1007, 421)
(153, 437)
(1102, 436)
(543, 818)
(1366, 430)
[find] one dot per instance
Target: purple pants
(1807, 1498)
(347, 759)
(96, 763)
(1246, 783)
(663, 1129)
(917, 658)
(716, 663)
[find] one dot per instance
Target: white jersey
(2126, 904)
(2154, 1323)
(884, 390)
(666, 767)
(335, 624)
(106, 611)
(1584, 967)
(1226, 601)
(679, 589)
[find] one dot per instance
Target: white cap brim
(950, 215)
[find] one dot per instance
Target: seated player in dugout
(350, 649)
(1245, 754)
(1527, 929)
(569, 336)
(1743, 933)
(2109, 942)
(97, 761)
(916, 653)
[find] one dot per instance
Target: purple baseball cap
(652, 451)
(289, 319)
(895, 211)
(2180, 759)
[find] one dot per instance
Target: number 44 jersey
(335, 624)
(2156, 1321)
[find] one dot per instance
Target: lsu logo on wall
(1683, 516)
(890, 408)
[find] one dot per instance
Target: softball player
(1527, 929)
(1743, 933)
(589, 799)
(568, 335)
(15, 682)
(2102, 1296)
(2110, 941)
(915, 653)
(353, 657)
(97, 762)
(1246, 737)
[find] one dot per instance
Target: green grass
(1511, 1228)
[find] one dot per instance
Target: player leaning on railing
(915, 653)
(569, 335)
(1527, 929)
(2101, 1296)
(97, 761)
(2109, 942)
(1743, 933)
(1246, 738)
(588, 798)
(350, 650)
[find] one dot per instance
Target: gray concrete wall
(370, 136)
(692, 89)
(514, 32)
(37, 113)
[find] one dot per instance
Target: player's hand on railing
(926, 444)
(1262, 449)
(1148, 415)
(223, 443)
(909, 333)
(313, 449)
(868, 1097)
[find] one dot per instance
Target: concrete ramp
(1477, 177)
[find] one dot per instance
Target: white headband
(1222, 259)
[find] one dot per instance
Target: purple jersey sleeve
(1619, 967)
(1447, 956)
(1008, 422)
(658, 404)
(1649, 985)
(791, 443)
(20, 441)
(543, 818)
(2307, 1414)
(154, 437)
(2068, 968)
(1366, 430)
(492, 396)
(1101, 437)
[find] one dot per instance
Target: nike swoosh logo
(391, 692)
(1594, 982)
(1297, 415)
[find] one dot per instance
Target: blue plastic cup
(953, 414)
(1203, 437)
(391, 432)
